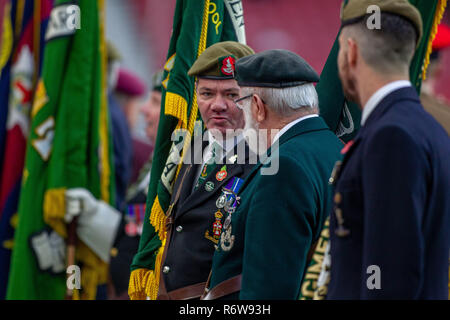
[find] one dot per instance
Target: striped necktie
(209, 165)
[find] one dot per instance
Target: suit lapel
(407, 93)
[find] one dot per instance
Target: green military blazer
(279, 216)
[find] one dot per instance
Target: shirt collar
(291, 124)
(228, 144)
(379, 95)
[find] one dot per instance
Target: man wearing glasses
(277, 217)
(204, 186)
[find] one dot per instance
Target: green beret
(157, 81)
(356, 10)
(275, 69)
(217, 61)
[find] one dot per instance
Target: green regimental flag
(69, 146)
(196, 25)
(344, 118)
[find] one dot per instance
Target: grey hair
(290, 100)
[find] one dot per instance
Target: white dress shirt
(379, 95)
(291, 124)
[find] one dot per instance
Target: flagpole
(71, 245)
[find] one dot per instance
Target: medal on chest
(229, 201)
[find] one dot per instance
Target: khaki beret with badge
(356, 10)
(277, 68)
(217, 62)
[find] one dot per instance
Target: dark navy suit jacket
(393, 196)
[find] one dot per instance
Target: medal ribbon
(234, 185)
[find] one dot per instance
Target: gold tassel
(153, 285)
(54, 209)
(139, 279)
(440, 9)
(145, 283)
(158, 219)
(176, 106)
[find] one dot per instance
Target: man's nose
(219, 104)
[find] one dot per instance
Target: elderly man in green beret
(276, 217)
(197, 213)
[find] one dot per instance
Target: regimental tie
(209, 165)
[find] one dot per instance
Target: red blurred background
(306, 27)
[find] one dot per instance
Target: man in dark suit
(390, 226)
(280, 210)
(196, 219)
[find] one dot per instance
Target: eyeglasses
(240, 106)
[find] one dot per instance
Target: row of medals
(228, 204)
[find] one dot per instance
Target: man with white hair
(274, 221)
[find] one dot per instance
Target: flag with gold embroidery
(68, 147)
(196, 26)
(23, 37)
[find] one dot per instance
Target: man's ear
(352, 52)
(259, 110)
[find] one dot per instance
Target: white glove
(50, 250)
(79, 201)
(97, 221)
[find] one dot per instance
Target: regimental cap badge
(217, 61)
(227, 65)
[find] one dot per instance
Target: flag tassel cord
(440, 10)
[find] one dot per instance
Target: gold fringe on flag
(145, 283)
(54, 208)
(153, 286)
(158, 219)
(440, 9)
(176, 106)
(139, 280)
